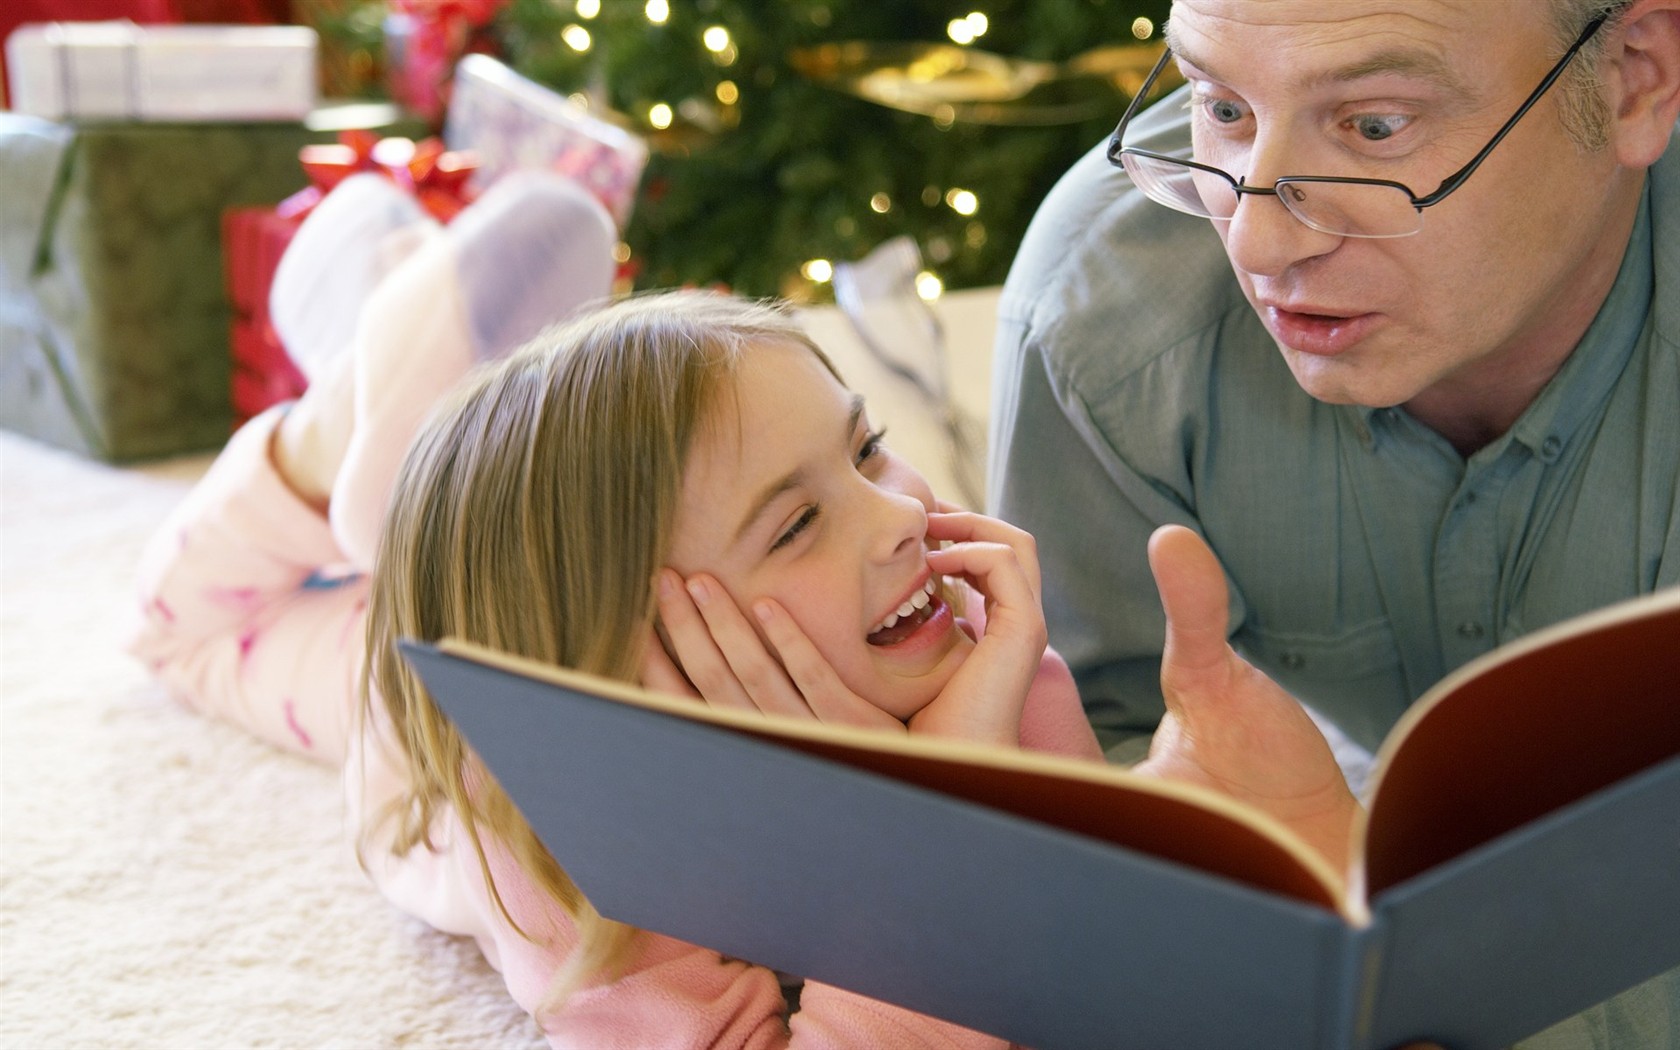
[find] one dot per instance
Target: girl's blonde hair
(531, 514)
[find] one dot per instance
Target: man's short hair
(1586, 116)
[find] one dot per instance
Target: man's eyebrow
(1415, 63)
(768, 494)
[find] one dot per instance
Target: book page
(1523, 731)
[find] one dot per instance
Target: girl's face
(789, 495)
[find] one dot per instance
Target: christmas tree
(789, 135)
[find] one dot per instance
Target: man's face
(1409, 90)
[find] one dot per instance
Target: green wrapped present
(114, 316)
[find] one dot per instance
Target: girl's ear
(1643, 76)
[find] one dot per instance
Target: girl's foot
(528, 253)
(346, 246)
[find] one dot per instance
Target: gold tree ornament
(963, 84)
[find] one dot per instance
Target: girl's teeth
(918, 600)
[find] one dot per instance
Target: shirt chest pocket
(1352, 675)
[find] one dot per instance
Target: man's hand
(1228, 726)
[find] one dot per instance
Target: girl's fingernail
(667, 587)
(763, 611)
(698, 590)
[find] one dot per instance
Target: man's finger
(1196, 601)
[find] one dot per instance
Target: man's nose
(1263, 237)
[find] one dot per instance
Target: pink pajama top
(252, 614)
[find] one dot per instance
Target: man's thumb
(1197, 604)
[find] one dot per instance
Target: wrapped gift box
(122, 71)
(114, 317)
(510, 122)
(253, 240)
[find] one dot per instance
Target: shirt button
(1470, 629)
(1550, 448)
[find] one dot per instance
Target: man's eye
(1216, 109)
(1375, 128)
(1224, 111)
(800, 524)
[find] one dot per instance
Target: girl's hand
(709, 651)
(999, 564)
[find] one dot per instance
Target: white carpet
(166, 881)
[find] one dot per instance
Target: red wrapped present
(253, 239)
(423, 40)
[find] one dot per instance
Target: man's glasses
(1345, 207)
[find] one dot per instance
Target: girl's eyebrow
(768, 494)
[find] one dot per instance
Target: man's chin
(1342, 381)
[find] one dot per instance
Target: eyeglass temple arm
(1137, 101)
(1457, 178)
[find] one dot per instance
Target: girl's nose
(898, 523)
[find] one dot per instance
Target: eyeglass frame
(1239, 186)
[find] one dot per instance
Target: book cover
(1519, 861)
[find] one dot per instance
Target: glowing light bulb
(880, 204)
(728, 93)
(929, 286)
(978, 23)
(960, 31)
(588, 8)
(819, 270)
(963, 202)
(576, 37)
(657, 11)
(660, 115)
(1143, 28)
(716, 39)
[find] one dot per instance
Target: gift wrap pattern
(114, 317)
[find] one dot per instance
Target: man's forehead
(1320, 43)
(1422, 23)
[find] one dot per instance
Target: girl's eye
(871, 445)
(1375, 127)
(800, 524)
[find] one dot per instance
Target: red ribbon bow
(435, 175)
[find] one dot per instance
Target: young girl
(553, 507)
(533, 515)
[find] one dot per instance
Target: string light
(821, 271)
(588, 8)
(963, 202)
(576, 37)
(659, 115)
(728, 93)
(968, 29)
(880, 204)
(657, 11)
(1142, 28)
(716, 39)
(929, 286)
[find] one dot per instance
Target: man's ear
(1642, 74)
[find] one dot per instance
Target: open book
(1519, 862)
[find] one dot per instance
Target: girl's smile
(788, 495)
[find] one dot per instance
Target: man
(1416, 415)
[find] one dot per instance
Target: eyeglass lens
(1345, 209)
